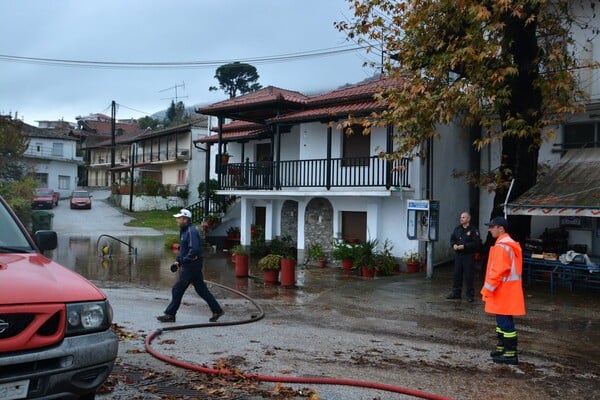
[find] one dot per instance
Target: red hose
(274, 378)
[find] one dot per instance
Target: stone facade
(319, 223)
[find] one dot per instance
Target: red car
(56, 340)
(45, 198)
(81, 199)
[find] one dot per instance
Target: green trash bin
(41, 221)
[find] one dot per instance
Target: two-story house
(165, 156)
(297, 171)
(53, 159)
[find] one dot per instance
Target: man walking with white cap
(189, 263)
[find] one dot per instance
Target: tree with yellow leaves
(506, 69)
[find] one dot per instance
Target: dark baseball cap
(498, 221)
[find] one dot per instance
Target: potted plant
(225, 156)
(413, 261)
(365, 257)
(316, 253)
(285, 247)
(385, 262)
(270, 266)
(233, 232)
(345, 252)
(241, 260)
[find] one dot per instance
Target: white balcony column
(246, 207)
(269, 221)
(301, 215)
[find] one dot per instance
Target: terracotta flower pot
(367, 272)
(241, 265)
(288, 272)
(271, 277)
(412, 267)
(347, 264)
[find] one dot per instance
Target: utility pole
(113, 118)
(174, 88)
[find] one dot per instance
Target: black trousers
(464, 264)
(191, 275)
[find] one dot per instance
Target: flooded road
(397, 330)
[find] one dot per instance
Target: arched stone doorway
(318, 223)
(289, 220)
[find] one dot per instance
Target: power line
(288, 57)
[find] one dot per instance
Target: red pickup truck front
(56, 339)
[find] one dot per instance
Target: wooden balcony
(325, 173)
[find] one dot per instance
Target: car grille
(31, 326)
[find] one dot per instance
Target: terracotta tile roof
(101, 127)
(119, 139)
(356, 100)
(331, 113)
(257, 106)
(148, 133)
(364, 90)
(269, 94)
(236, 130)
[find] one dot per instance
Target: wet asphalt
(398, 330)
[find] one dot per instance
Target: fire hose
(271, 378)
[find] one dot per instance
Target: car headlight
(88, 317)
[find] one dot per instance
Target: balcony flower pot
(224, 158)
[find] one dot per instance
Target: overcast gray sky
(162, 31)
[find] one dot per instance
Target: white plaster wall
(146, 203)
(290, 144)
(196, 166)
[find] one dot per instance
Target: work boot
(453, 296)
(166, 318)
(216, 316)
(500, 345)
(509, 356)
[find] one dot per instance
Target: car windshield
(12, 239)
(44, 192)
(81, 194)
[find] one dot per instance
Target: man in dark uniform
(189, 262)
(465, 242)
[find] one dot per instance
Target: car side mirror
(46, 240)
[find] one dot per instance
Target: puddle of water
(144, 261)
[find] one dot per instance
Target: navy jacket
(469, 237)
(190, 246)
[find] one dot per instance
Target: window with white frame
(64, 182)
(57, 149)
(181, 176)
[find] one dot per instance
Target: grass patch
(157, 219)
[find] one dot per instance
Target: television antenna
(176, 98)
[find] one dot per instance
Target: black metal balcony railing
(335, 172)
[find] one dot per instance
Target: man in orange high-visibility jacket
(502, 291)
